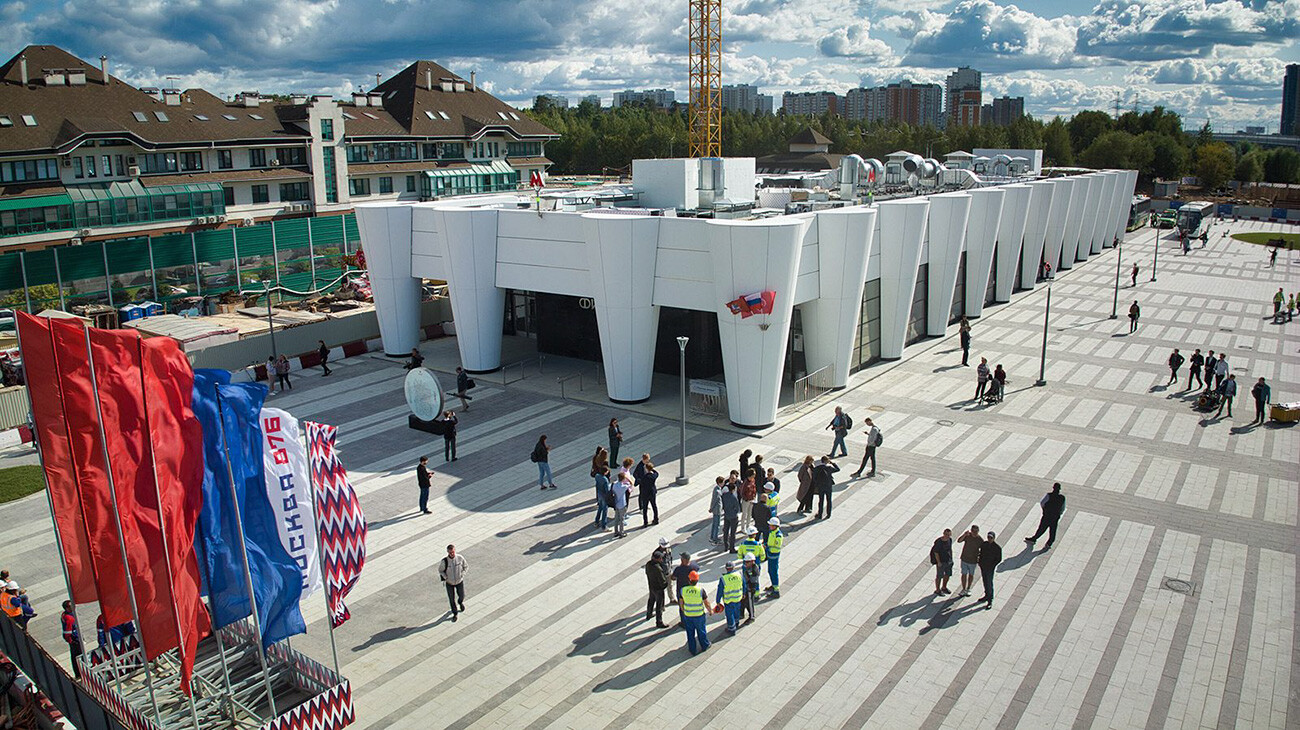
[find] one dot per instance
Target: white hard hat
(11, 585)
(751, 530)
(663, 542)
(774, 522)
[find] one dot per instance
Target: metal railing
(53, 680)
(708, 398)
(567, 378)
(812, 385)
(13, 407)
(522, 366)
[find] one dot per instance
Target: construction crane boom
(704, 120)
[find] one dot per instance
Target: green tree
(1116, 149)
(1057, 148)
(1169, 159)
(1085, 127)
(1215, 163)
(1250, 167)
(1282, 166)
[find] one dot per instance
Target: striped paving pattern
(1086, 635)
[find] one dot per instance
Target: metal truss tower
(705, 116)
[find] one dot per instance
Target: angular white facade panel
(1058, 214)
(949, 214)
(1120, 206)
(1102, 237)
(477, 303)
(625, 313)
(1074, 222)
(386, 238)
(1127, 188)
(830, 322)
(902, 231)
(1040, 204)
(749, 257)
(981, 238)
(1011, 235)
(1088, 223)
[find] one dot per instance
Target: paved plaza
(1169, 599)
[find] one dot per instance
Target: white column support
(1011, 234)
(1120, 206)
(1127, 185)
(981, 237)
(1040, 203)
(1088, 220)
(949, 214)
(627, 319)
(902, 231)
(468, 240)
(386, 238)
(1074, 222)
(1103, 236)
(830, 322)
(748, 257)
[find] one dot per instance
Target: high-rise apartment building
(964, 97)
(661, 98)
(1003, 111)
(812, 103)
(743, 97)
(1291, 100)
(904, 101)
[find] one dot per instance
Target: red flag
(116, 356)
(177, 439)
(52, 435)
(87, 458)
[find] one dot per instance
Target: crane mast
(704, 120)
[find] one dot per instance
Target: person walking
(715, 510)
(615, 440)
(1053, 507)
(324, 353)
(282, 373)
(271, 375)
(416, 361)
(730, 517)
(1229, 392)
(941, 559)
(657, 582)
(824, 484)
(982, 376)
(695, 610)
(963, 331)
(805, 493)
(622, 495)
(604, 496)
(730, 593)
(775, 541)
(989, 557)
(999, 384)
(647, 490)
(1278, 300)
(1134, 313)
(1175, 361)
(1290, 306)
(1263, 395)
(1133, 276)
(970, 556)
(748, 496)
(452, 573)
(541, 457)
(463, 385)
(1210, 363)
(449, 424)
(1272, 257)
(423, 478)
(1194, 364)
(874, 439)
(71, 635)
(1220, 370)
(840, 424)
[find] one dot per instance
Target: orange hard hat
(693, 575)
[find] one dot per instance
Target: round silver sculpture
(423, 396)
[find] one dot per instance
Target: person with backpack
(842, 423)
(541, 458)
(451, 571)
(874, 439)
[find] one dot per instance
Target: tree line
(595, 140)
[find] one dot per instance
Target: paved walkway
(1085, 635)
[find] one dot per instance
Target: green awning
(497, 167)
(133, 189)
(36, 201)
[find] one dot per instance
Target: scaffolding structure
(704, 123)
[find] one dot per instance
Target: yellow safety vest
(775, 541)
(751, 546)
(773, 499)
(692, 601)
(733, 587)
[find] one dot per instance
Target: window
(106, 164)
(443, 115)
(77, 170)
(257, 158)
(90, 166)
(5, 121)
(396, 151)
(451, 150)
(327, 129)
(358, 153)
(291, 156)
(228, 196)
(160, 116)
(258, 117)
(358, 186)
(294, 191)
(225, 159)
(139, 116)
(191, 161)
(524, 149)
(24, 170)
(372, 116)
(410, 183)
(117, 166)
(29, 120)
(157, 162)
(503, 116)
(385, 185)
(429, 114)
(261, 194)
(201, 117)
(229, 117)
(348, 116)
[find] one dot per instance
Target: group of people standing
(614, 489)
(990, 385)
(1212, 374)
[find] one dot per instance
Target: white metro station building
(615, 273)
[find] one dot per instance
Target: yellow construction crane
(704, 120)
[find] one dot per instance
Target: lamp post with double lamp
(1119, 257)
(681, 471)
(1047, 314)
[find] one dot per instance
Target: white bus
(1194, 218)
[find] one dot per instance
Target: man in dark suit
(1053, 506)
(823, 483)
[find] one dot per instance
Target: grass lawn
(19, 481)
(1292, 239)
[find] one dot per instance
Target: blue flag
(277, 581)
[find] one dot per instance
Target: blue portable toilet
(130, 312)
(151, 309)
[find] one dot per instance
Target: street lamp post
(681, 471)
(1047, 313)
(270, 325)
(1155, 260)
(1119, 256)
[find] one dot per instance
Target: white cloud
(1151, 30)
(855, 41)
(995, 37)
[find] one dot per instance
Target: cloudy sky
(1220, 60)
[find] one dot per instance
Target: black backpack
(848, 422)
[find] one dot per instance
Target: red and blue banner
(748, 305)
(339, 519)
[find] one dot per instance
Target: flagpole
(171, 583)
(121, 539)
(216, 631)
(248, 575)
(320, 555)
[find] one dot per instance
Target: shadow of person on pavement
(1019, 560)
(394, 633)
(909, 613)
(619, 641)
(650, 670)
(949, 615)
